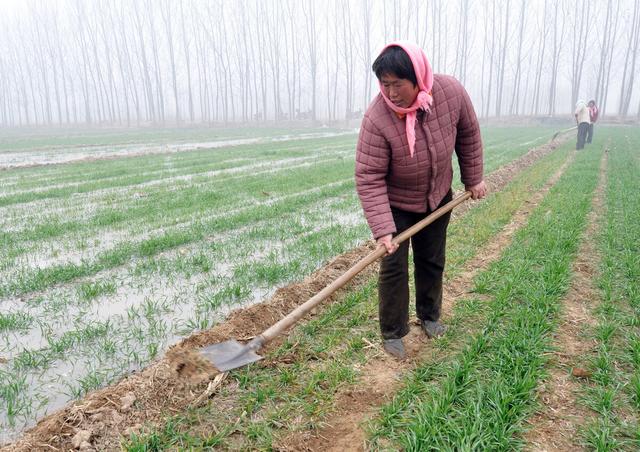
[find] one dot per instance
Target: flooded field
(112, 252)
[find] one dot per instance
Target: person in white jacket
(582, 119)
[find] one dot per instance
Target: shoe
(432, 329)
(394, 347)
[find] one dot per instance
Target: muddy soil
(168, 386)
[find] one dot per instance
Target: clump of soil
(190, 366)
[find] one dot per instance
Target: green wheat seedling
(109, 214)
(15, 321)
(174, 195)
(284, 393)
(481, 398)
(91, 290)
(614, 388)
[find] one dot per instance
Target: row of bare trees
(135, 62)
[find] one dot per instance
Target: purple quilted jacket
(387, 176)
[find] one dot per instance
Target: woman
(582, 120)
(404, 172)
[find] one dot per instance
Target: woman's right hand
(385, 241)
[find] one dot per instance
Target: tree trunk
(515, 98)
(168, 29)
(144, 66)
(626, 89)
(185, 45)
(502, 64)
(540, 62)
(579, 47)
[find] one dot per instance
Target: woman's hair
(394, 60)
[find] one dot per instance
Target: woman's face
(401, 91)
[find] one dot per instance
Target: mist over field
(70, 62)
(176, 174)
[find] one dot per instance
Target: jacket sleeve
(373, 155)
(469, 142)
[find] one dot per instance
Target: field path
(381, 377)
(555, 426)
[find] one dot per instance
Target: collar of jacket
(421, 114)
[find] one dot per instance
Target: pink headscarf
(424, 76)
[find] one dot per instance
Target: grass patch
(92, 290)
(480, 397)
(613, 391)
(12, 321)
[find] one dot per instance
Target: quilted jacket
(387, 176)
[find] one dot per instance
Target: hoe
(232, 354)
(555, 135)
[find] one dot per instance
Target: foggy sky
(136, 62)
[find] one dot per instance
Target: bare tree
(609, 62)
(463, 41)
(366, 27)
(580, 37)
(309, 11)
(540, 60)
(167, 15)
(502, 62)
(606, 50)
(558, 40)
(515, 98)
(491, 50)
(347, 55)
(156, 62)
(144, 65)
(631, 55)
(187, 52)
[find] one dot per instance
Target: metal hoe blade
(229, 355)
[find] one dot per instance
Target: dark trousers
(583, 129)
(590, 133)
(428, 258)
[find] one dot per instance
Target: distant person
(593, 117)
(582, 119)
(404, 172)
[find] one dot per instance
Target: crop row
(325, 354)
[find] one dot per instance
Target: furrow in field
(71, 247)
(76, 209)
(612, 387)
(203, 166)
(57, 251)
(555, 426)
(90, 192)
(21, 282)
(18, 160)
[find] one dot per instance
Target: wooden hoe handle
(312, 302)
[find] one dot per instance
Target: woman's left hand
(478, 191)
